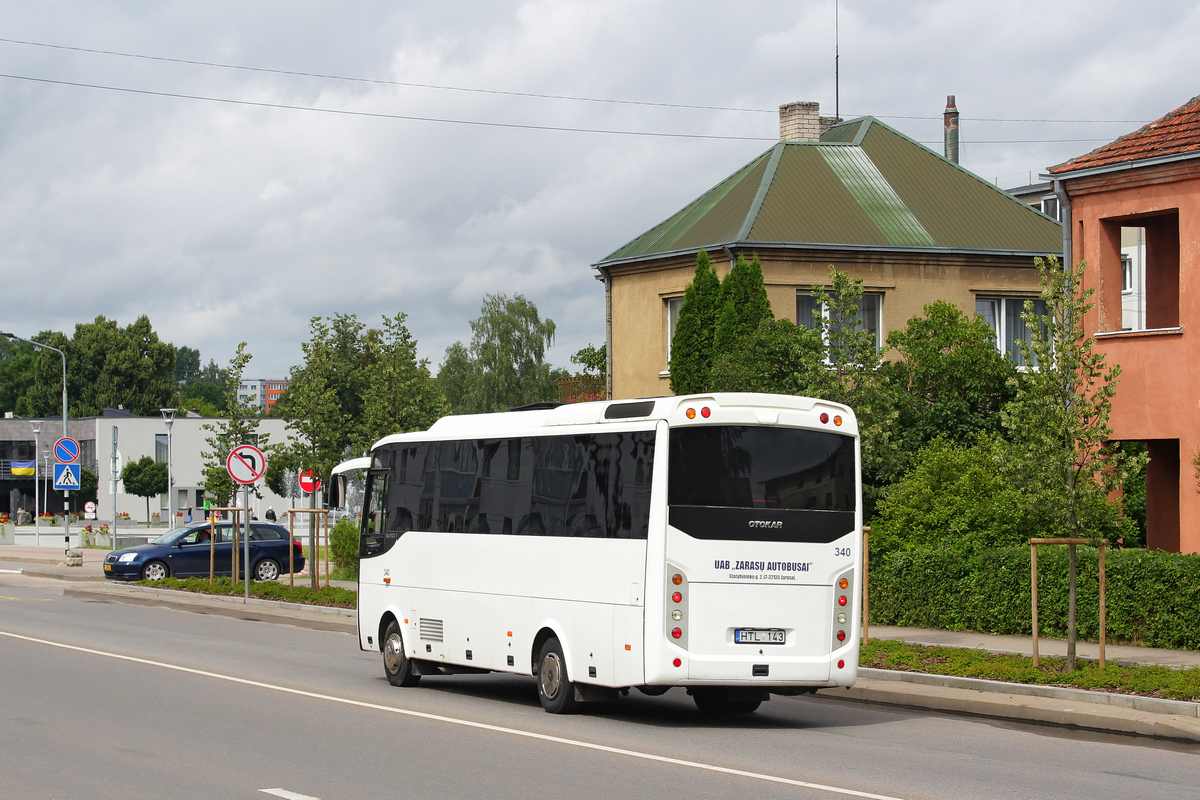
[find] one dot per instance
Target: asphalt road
(105, 700)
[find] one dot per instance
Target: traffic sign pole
(246, 464)
(66, 453)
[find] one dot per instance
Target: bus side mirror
(337, 492)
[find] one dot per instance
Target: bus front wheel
(555, 690)
(396, 664)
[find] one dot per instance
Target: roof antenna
(837, 110)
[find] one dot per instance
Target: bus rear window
(753, 467)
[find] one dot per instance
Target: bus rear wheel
(396, 665)
(555, 690)
(719, 701)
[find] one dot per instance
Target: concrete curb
(324, 618)
(1022, 708)
(1150, 705)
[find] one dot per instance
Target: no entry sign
(246, 463)
(309, 483)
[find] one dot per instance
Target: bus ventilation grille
(431, 629)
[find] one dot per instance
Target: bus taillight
(676, 610)
(705, 412)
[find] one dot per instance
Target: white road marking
(679, 762)
(11, 571)
(286, 795)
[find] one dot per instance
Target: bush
(1153, 597)
(343, 546)
(955, 498)
(270, 590)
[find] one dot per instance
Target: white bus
(711, 542)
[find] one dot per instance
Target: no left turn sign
(246, 463)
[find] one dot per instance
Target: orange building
(1131, 210)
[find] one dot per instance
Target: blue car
(186, 552)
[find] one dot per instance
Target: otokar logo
(766, 523)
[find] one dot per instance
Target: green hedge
(1153, 598)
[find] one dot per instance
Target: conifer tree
(743, 307)
(692, 345)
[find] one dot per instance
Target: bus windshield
(740, 466)
(801, 482)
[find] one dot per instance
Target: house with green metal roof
(858, 195)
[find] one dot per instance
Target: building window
(1050, 207)
(673, 306)
(1003, 315)
(1126, 274)
(870, 312)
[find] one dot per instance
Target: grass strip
(334, 596)
(1145, 680)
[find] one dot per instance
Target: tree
(42, 396)
(145, 478)
(594, 360)
(957, 497)
(505, 365)
(743, 305)
(401, 394)
(238, 428)
(187, 365)
(88, 484)
(1058, 422)
(355, 386)
(692, 344)
(204, 391)
(852, 376)
(780, 357)
(950, 380)
(17, 364)
(107, 367)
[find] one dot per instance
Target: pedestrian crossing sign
(66, 477)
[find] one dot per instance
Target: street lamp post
(169, 418)
(37, 514)
(40, 346)
(46, 471)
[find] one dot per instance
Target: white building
(135, 437)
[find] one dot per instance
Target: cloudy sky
(232, 169)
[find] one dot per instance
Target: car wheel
(555, 690)
(267, 570)
(155, 571)
(396, 665)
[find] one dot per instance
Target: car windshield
(170, 536)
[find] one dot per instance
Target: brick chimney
(950, 123)
(800, 122)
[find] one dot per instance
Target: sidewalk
(1060, 706)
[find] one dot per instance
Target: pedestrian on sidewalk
(270, 515)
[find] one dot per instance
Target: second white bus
(708, 542)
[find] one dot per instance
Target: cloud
(227, 222)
